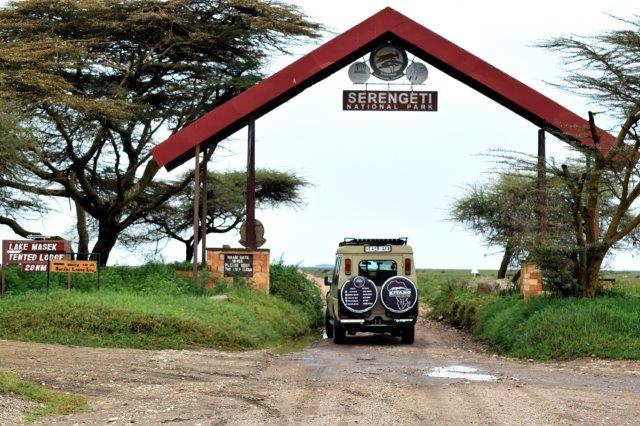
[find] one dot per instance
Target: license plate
(377, 249)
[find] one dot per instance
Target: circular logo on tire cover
(359, 294)
(399, 294)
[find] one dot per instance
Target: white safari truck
(372, 289)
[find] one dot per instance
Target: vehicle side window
(336, 269)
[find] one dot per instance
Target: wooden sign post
(3, 283)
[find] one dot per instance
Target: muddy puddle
(461, 372)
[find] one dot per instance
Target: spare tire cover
(399, 294)
(359, 294)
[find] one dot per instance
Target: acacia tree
(99, 79)
(226, 207)
(504, 211)
(500, 212)
(605, 68)
(14, 204)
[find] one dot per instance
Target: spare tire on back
(399, 294)
(359, 294)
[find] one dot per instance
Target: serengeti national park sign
(367, 100)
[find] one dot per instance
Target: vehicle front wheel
(328, 327)
(408, 335)
(339, 333)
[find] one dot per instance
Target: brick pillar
(530, 280)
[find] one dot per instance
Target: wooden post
(542, 183)
(196, 212)
(69, 280)
(251, 186)
(3, 284)
(203, 218)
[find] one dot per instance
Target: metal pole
(48, 274)
(251, 186)
(203, 219)
(542, 183)
(196, 201)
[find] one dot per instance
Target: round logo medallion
(417, 73)
(359, 294)
(359, 72)
(388, 62)
(399, 294)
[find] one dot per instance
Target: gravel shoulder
(372, 379)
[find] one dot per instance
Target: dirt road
(371, 380)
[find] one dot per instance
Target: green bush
(456, 304)
(152, 278)
(546, 327)
(152, 306)
(290, 285)
(247, 319)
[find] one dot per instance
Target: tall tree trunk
(107, 238)
(83, 234)
(589, 272)
(506, 259)
(188, 250)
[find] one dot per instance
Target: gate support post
(542, 183)
(251, 186)
(203, 219)
(196, 215)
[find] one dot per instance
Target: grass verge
(545, 327)
(169, 315)
(53, 401)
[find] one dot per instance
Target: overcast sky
(394, 174)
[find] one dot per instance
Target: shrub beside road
(544, 327)
(152, 307)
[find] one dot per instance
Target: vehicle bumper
(376, 325)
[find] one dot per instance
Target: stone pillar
(227, 263)
(530, 280)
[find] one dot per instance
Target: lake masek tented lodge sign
(34, 255)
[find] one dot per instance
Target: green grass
(151, 308)
(430, 281)
(545, 327)
(153, 278)
(53, 401)
(288, 284)
(542, 327)
(626, 281)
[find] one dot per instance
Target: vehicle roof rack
(373, 242)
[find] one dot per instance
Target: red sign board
(34, 255)
(371, 100)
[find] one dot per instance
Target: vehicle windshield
(377, 271)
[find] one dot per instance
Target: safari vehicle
(372, 289)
